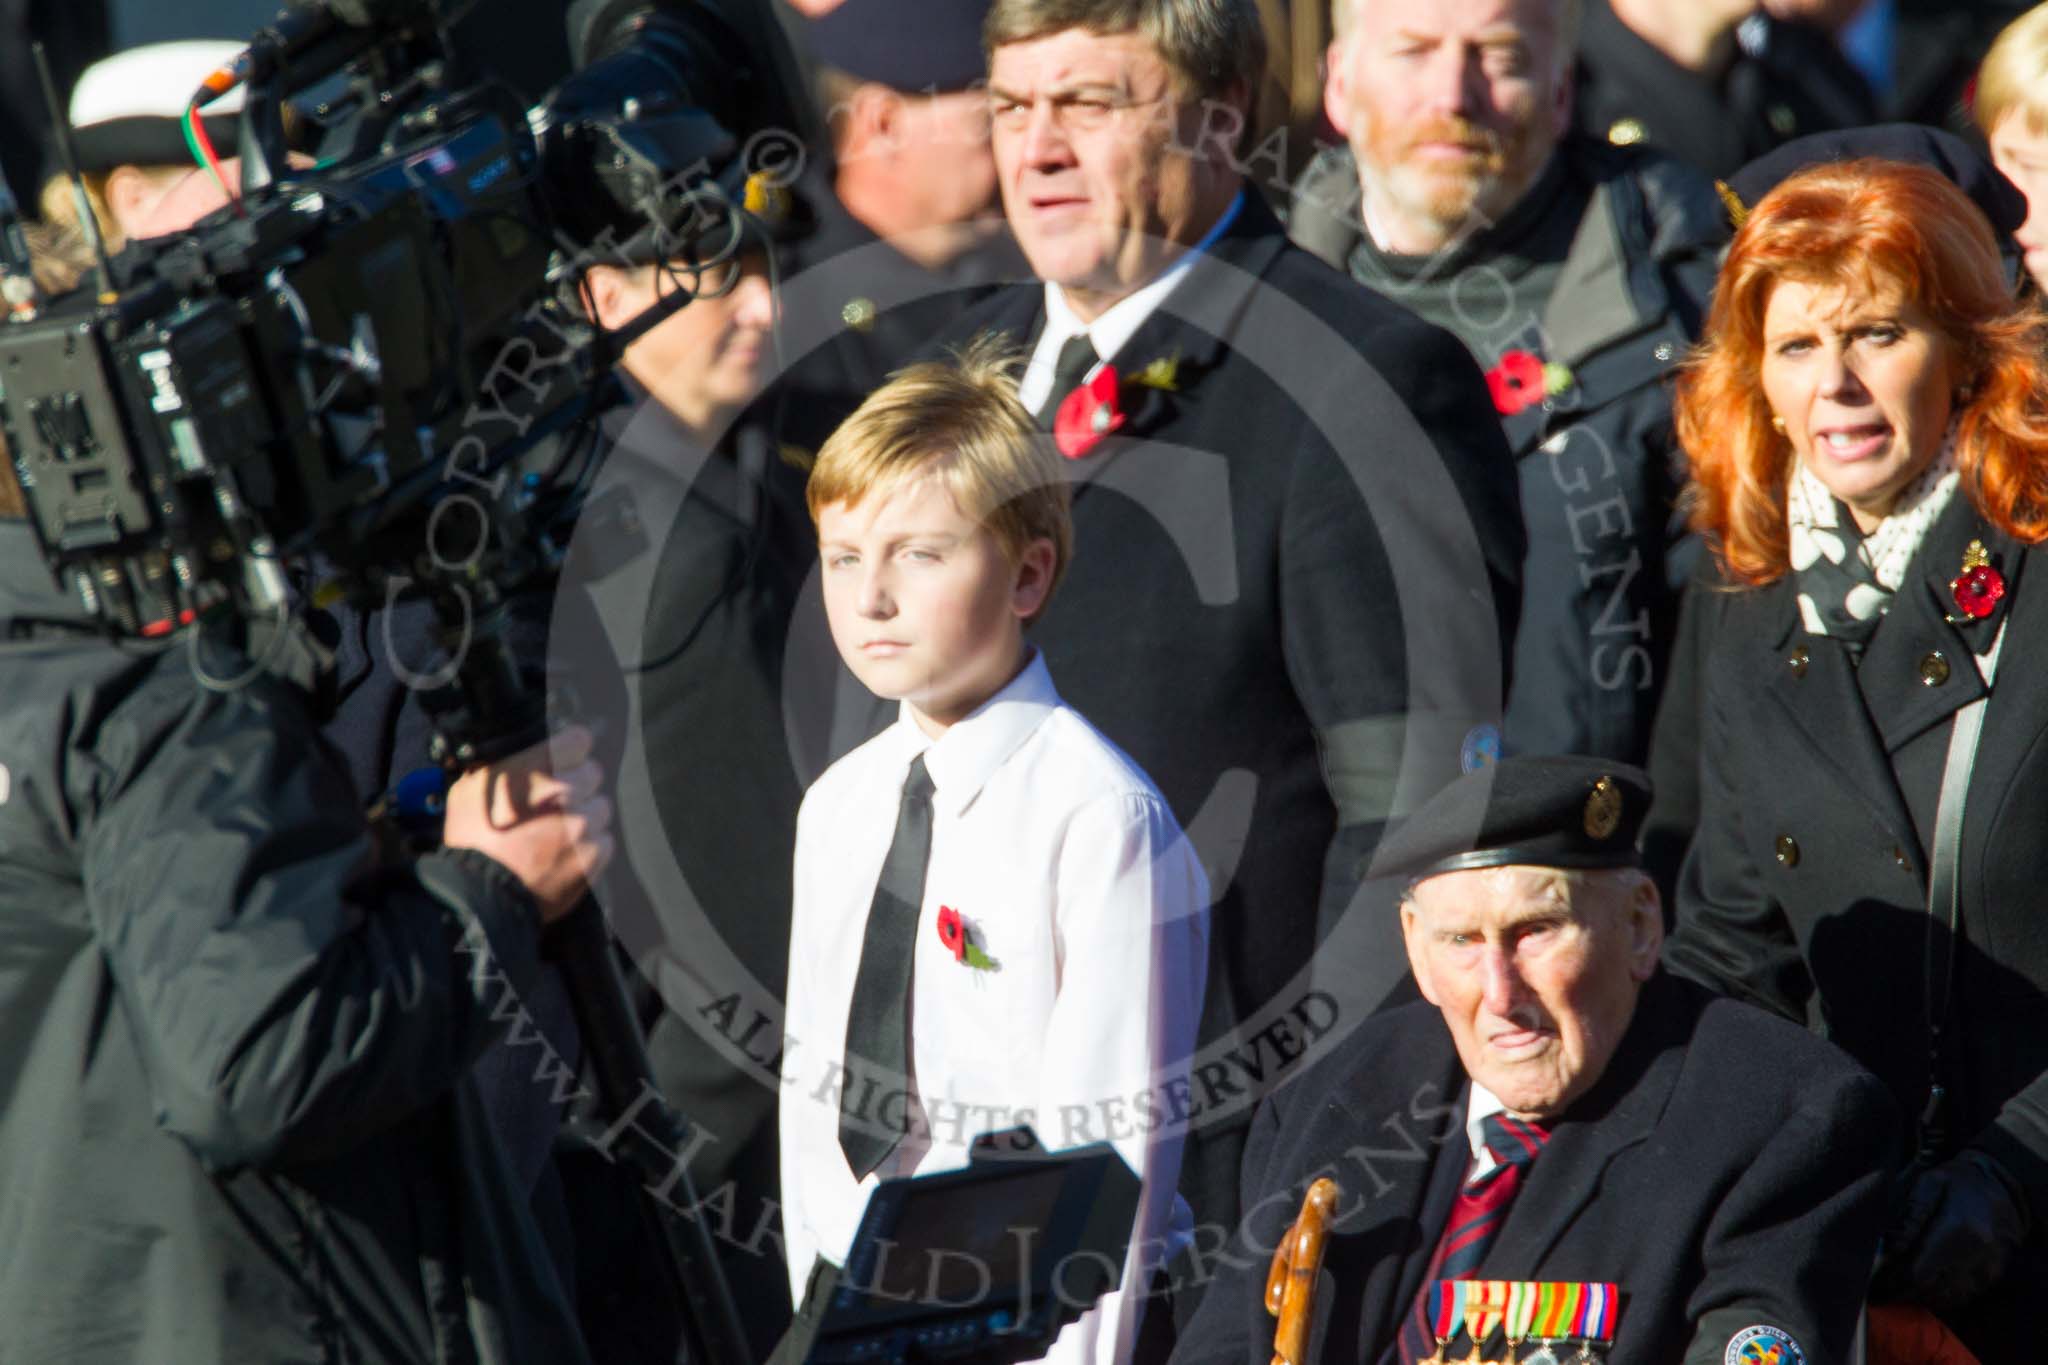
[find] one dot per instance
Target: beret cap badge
(1603, 809)
(1535, 810)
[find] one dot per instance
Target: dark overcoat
(1287, 657)
(1598, 464)
(1806, 886)
(1725, 1172)
(238, 1122)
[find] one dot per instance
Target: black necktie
(878, 1020)
(1077, 357)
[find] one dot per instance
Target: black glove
(1957, 1228)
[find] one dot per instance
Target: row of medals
(1545, 1352)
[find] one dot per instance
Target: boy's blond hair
(959, 421)
(2013, 74)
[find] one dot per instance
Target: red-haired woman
(1867, 420)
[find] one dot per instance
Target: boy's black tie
(878, 1020)
(1077, 357)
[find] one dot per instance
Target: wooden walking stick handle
(1297, 1261)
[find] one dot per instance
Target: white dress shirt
(1071, 874)
(1118, 323)
(1484, 1103)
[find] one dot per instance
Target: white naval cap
(125, 108)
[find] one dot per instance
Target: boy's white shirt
(1071, 873)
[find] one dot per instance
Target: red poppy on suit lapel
(1516, 383)
(1088, 414)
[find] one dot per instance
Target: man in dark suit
(1298, 545)
(1559, 1113)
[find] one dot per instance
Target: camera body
(343, 365)
(285, 380)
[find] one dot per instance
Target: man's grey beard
(1455, 210)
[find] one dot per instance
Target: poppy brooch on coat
(1979, 588)
(1522, 379)
(954, 933)
(1095, 409)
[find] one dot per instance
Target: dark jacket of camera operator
(235, 1124)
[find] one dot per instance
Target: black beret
(1971, 170)
(907, 45)
(1540, 810)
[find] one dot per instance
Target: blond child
(997, 920)
(2011, 111)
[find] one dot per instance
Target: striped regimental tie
(1476, 1215)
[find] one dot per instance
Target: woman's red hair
(1868, 226)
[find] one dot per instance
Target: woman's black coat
(1805, 890)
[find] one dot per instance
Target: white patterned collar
(1886, 550)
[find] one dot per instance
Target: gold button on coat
(1933, 668)
(1788, 850)
(1626, 132)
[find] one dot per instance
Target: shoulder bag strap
(1944, 908)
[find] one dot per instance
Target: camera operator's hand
(539, 813)
(1958, 1226)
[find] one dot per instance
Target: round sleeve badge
(1763, 1346)
(1481, 748)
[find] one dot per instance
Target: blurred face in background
(945, 136)
(708, 359)
(917, 168)
(133, 193)
(2022, 153)
(1451, 107)
(165, 204)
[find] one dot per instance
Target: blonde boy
(2012, 113)
(997, 920)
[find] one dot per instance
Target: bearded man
(1576, 274)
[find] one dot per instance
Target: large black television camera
(376, 369)
(346, 365)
